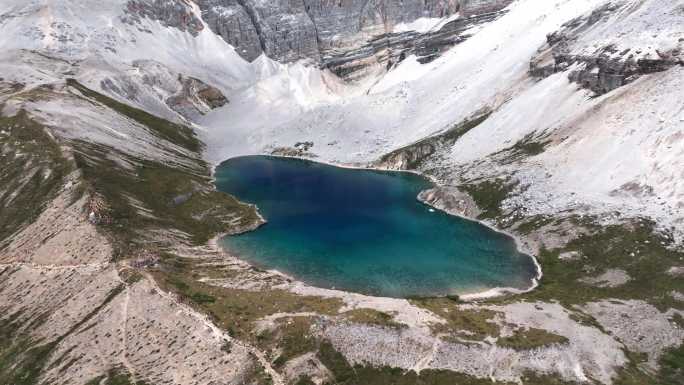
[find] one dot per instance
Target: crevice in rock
(307, 10)
(251, 12)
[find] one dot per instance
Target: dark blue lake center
(365, 231)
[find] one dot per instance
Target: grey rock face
(478, 7)
(230, 20)
(391, 48)
(411, 157)
(331, 32)
(340, 22)
(159, 86)
(290, 30)
(170, 13)
(286, 31)
(605, 69)
(195, 98)
(450, 200)
(281, 28)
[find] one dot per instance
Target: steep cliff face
(290, 30)
(341, 24)
(347, 36)
(230, 19)
(168, 13)
(286, 31)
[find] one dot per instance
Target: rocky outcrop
(155, 83)
(170, 13)
(412, 156)
(281, 29)
(641, 327)
(609, 278)
(450, 200)
(605, 67)
(391, 48)
(409, 157)
(286, 31)
(195, 98)
(478, 7)
(344, 24)
(603, 72)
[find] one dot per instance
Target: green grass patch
(637, 249)
(533, 378)
(372, 317)
(415, 154)
(157, 196)
(672, 367)
(528, 146)
(257, 375)
(292, 338)
(178, 134)
(201, 298)
(532, 338)
(235, 310)
(304, 380)
(32, 172)
(533, 223)
(116, 376)
(153, 195)
(678, 319)
(489, 194)
(22, 359)
(468, 324)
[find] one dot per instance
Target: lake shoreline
(522, 246)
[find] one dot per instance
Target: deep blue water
(364, 231)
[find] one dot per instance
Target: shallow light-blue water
(364, 231)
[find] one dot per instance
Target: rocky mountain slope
(560, 122)
(309, 29)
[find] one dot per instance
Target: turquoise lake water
(364, 231)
